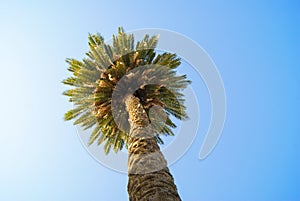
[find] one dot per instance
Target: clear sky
(255, 45)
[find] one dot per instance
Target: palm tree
(127, 92)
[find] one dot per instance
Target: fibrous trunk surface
(149, 176)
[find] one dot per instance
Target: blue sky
(255, 45)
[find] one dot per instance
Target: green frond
(122, 43)
(170, 123)
(89, 64)
(87, 75)
(70, 81)
(109, 52)
(158, 139)
(71, 114)
(94, 80)
(108, 144)
(99, 55)
(68, 92)
(75, 65)
(87, 120)
(95, 40)
(102, 138)
(153, 42)
(168, 60)
(147, 42)
(95, 134)
(118, 142)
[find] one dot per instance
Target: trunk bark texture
(149, 176)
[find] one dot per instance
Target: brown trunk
(149, 176)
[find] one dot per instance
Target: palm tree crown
(101, 81)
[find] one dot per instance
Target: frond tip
(96, 78)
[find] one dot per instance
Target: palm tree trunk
(149, 176)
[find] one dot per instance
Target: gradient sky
(255, 45)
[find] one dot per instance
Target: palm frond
(95, 78)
